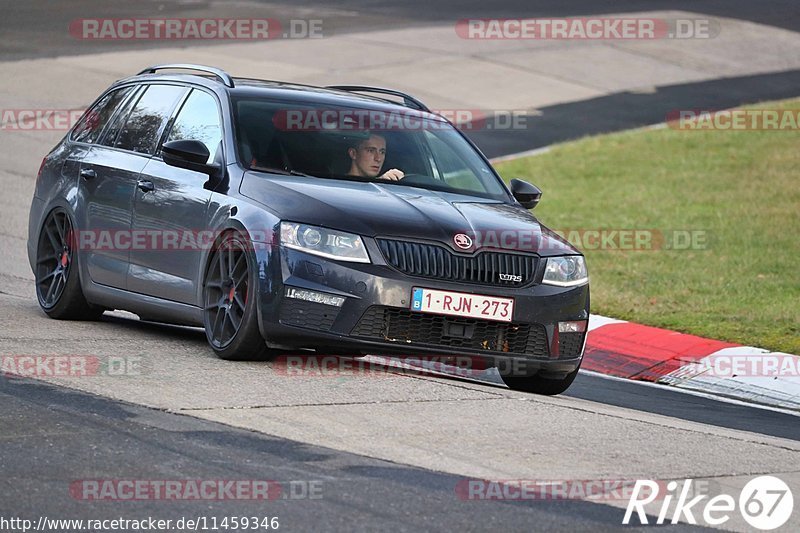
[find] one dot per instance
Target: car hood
(404, 212)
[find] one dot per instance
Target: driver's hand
(392, 175)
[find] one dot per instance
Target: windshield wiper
(282, 171)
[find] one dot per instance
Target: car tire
(56, 273)
(230, 316)
(537, 384)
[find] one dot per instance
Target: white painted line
(526, 153)
(598, 321)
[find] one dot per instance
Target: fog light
(577, 326)
(314, 296)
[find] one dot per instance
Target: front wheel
(230, 316)
(540, 385)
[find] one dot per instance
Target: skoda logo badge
(462, 241)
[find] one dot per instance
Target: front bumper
(375, 317)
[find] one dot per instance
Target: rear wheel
(540, 385)
(58, 282)
(230, 316)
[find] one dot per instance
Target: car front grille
(410, 328)
(433, 261)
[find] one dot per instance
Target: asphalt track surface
(36, 28)
(45, 425)
(52, 435)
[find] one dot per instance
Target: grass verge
(739, 189)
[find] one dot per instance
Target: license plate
(462, 304)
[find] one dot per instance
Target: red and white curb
(644, 353)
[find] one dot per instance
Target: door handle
(88, 174)
(145, 185)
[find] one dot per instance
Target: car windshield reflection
(406, 148)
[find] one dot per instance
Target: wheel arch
(259, 251)
(66, 206)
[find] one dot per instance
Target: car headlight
(324, 242)
(566, 271)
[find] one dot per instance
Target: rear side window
(112, 131)
(198, 120)
(144, 125)
(92, 123)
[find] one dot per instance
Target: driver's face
(368, 157)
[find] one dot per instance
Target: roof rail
(408, 100)
(220, 74)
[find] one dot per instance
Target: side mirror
(188, 154)
(527, 194)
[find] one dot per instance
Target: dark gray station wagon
(347, 220)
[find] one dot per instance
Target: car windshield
(362, 145)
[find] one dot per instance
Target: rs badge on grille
(510, 277)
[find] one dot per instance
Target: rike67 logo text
(765, 503)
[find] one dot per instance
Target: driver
(366, 159)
